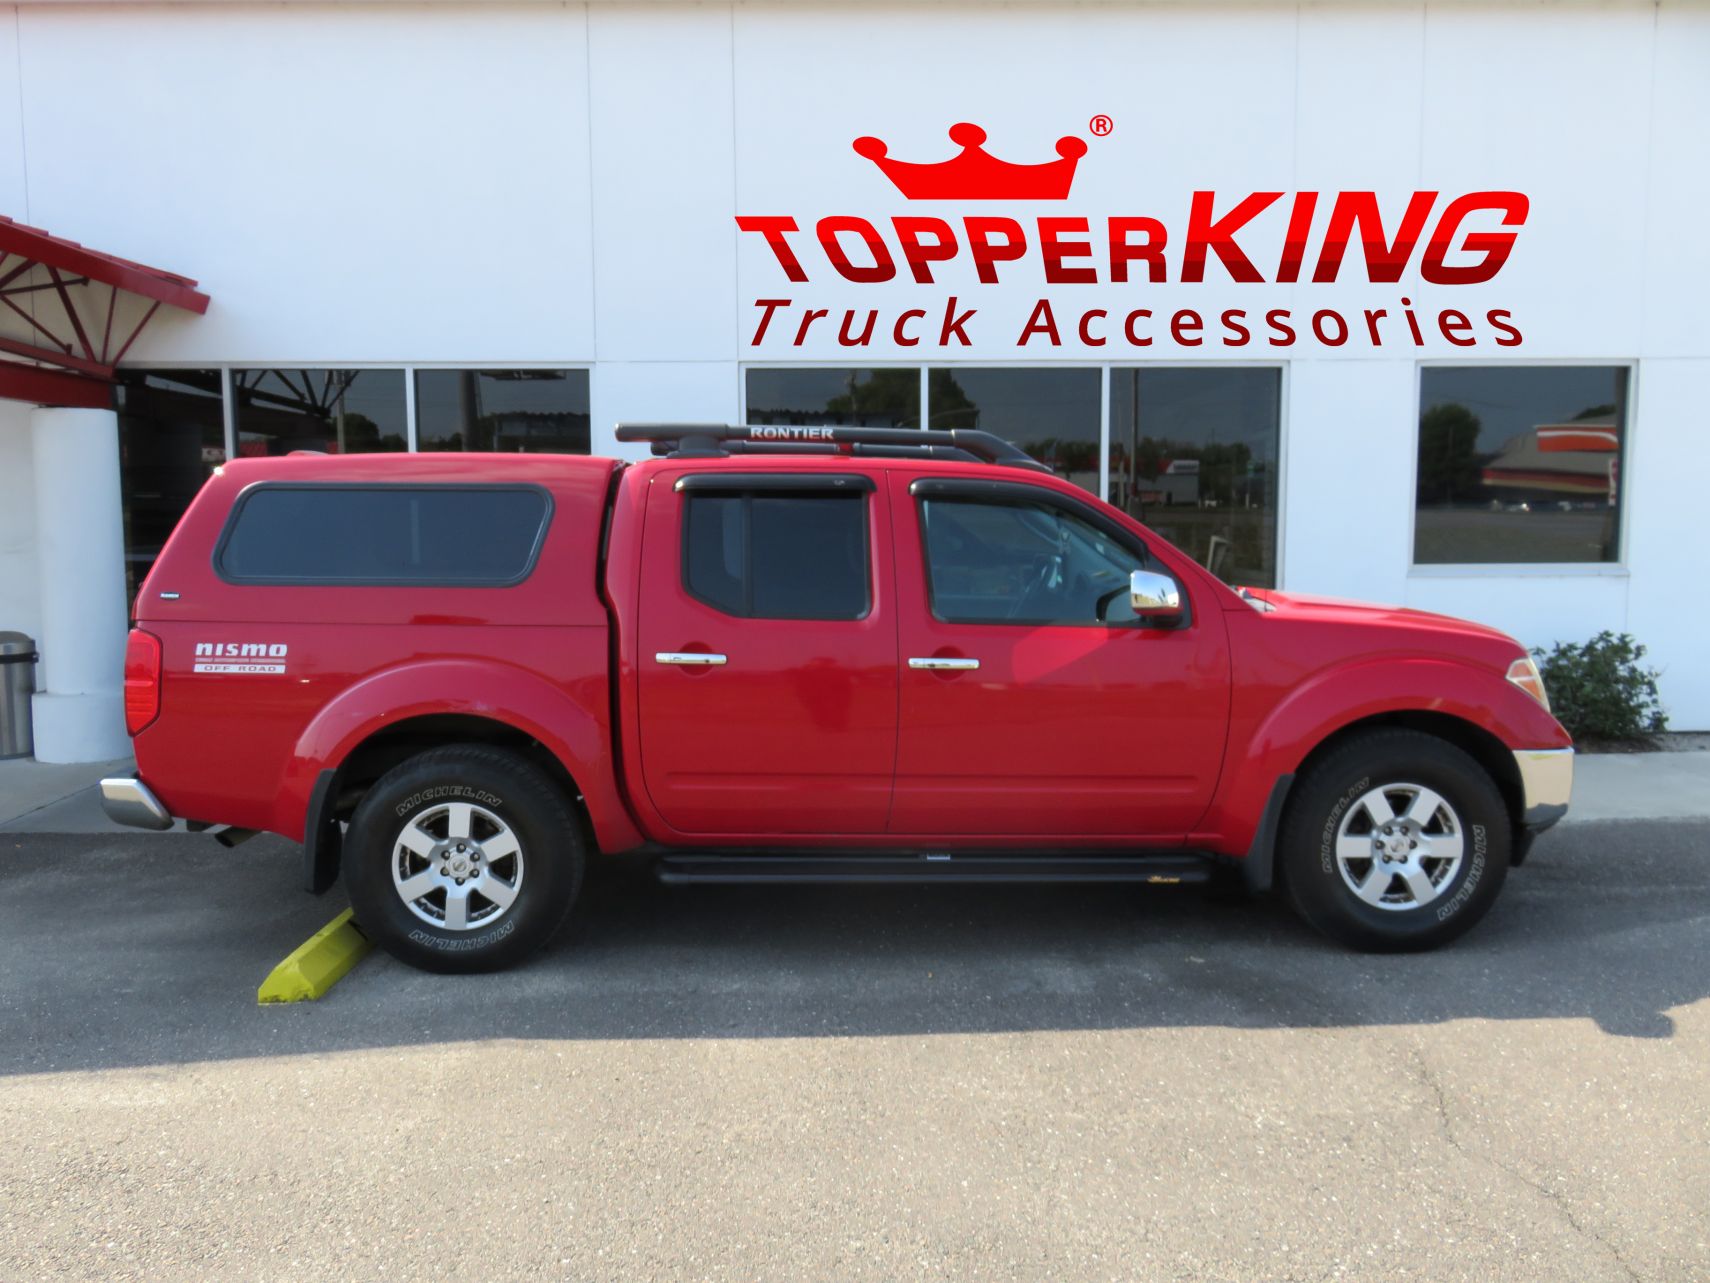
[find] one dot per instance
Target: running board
(796, 867)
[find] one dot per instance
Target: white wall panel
(663, 182)
(659, 392)
(1350, 445)
(1666, 532)
(348, 184)
(1677, 252)
(1552, 103)
(12, 193)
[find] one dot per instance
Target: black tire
(1317, 878)
(506, 793)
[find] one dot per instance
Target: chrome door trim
(942, 664)
(691, 658)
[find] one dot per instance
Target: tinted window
(172, 435)
(333, 411)
(385, 535)
(1023, 563)
(512, 411)
(1052, 415)
(888, 398)
(1519, 463)
(772, 556)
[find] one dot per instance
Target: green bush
(1598, 690)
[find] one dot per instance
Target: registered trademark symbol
(1101, 125)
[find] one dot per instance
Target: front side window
(1519, 464)
(460, 536)
(777, 556)
(1023, 563)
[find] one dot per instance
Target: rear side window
(454, 536)
(777, 556)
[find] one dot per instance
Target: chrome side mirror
(1157, 599)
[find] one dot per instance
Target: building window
(171, 438)
(514, 411)
(1052, 414)
(887, 398)
(1193, 454)
(335, 411)
(1519, 464)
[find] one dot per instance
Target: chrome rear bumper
(131, 802)
(1546, 782)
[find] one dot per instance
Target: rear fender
(1340, 697)
(579, 736)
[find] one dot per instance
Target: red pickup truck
(800, 654)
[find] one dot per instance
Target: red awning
(72, 325)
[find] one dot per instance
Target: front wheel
(463, 859)
(1395, 840)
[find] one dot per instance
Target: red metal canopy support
(51, 286)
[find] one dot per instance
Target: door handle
(691, 658)
(943, 663)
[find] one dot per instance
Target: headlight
(1524, 674)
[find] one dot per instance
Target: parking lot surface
(923, 1083)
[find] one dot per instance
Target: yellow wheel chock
(317, 964)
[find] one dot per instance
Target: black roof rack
(716, 440)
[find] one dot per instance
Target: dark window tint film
(451, 535)
(771, 556)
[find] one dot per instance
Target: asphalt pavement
(872, 1083)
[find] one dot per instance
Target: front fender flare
(1340, 697)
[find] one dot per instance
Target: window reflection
(1519, 464)
(1052, 414)
(886, 398)
(334, 411)
(171, 438)
(526, 411)
(1193, 454)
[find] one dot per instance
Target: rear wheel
(463, 859)
(1394, 840)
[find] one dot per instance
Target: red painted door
(767, 663)
(1031, 702)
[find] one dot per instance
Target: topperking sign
(983, 253)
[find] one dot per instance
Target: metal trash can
(17, 683)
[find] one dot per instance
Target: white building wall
(557, 184)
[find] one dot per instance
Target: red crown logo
(976, 174)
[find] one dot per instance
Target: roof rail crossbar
(703, 440)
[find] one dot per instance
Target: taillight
(142, 680)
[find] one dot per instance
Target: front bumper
(131, 802)
(1546, 785)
